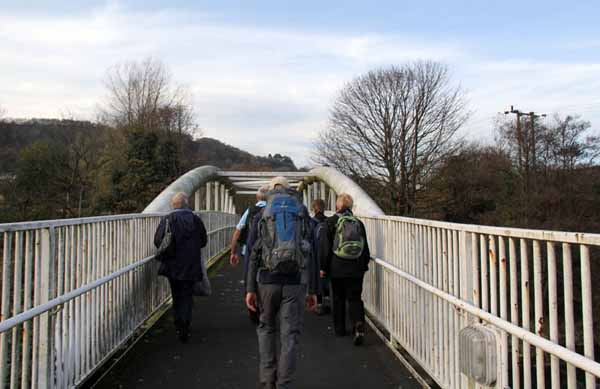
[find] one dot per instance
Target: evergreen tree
(152, 162)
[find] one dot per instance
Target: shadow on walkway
(223, 350)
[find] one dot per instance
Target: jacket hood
(320, 216)
(184, 222)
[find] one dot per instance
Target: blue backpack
(285, 247)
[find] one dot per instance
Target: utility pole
(519, 136)
(532, 116)
(524, 147)
(528, 148)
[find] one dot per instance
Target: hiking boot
(359, 334)
(319, 309)
(325, 310)
(183, 334)
(359, 338)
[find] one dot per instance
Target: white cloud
(249, 83)
(266, 90)
(529, 85)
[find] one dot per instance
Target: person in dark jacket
(239, 241)
(183, 267)
(241, 235)
(279, 296)
(319, 222)
(346, 275)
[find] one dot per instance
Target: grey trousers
(287, 303)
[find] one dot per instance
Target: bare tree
(572, 144)
(564, 143)
(143, 96)
(2, 112)
(394, 124)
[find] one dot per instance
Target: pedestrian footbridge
(450, 305)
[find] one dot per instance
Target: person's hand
(323, 274)
(234, 259)
(311, 302)
(251, 301)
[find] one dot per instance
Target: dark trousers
(286, 303)
(323, 289)
(347, 290)
(182, 302)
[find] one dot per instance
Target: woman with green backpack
(344, 256)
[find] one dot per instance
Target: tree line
(145, 137)
(396, 131)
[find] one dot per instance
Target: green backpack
(348, 242)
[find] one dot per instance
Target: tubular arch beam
(193, 180)
(189, 183)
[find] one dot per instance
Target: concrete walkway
(223, 350)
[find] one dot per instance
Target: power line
(520, 141)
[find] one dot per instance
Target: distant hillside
(18, 134)
(209, 151)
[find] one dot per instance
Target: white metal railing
(73, 291)
(433, 278)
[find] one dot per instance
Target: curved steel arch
(193, 180)
(189, 183)
(340, 183)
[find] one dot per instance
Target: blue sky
(264, 74)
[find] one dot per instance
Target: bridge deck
(222, 352)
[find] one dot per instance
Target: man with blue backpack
(281, 268)
(344, 257)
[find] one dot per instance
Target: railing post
(222, 204)
(46, 293)
(208, 195)
(216, 190)
(588, 317)
(305, 197)
(465, 268)
(7, 253)
(332, 199)
(466, 287)
(197, 205)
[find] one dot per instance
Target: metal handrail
(31, 225)
(552, 348)
(509, 232)
(20, 318)
(74, 290)
(434, 278)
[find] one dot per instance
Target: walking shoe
(359, 338)
(359, 334)
(319, 309)
(183, 334)
(325, 310)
